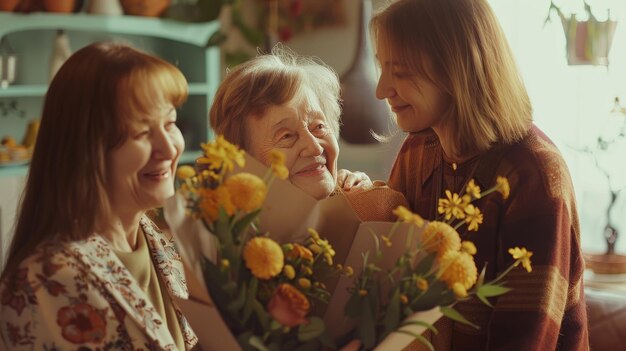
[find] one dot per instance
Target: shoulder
(536, 163)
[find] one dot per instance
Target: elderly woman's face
(300, 130)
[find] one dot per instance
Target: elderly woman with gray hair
(281, 101)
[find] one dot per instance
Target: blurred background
(572, 58)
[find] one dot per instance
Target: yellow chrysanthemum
(440, 237)
(306, 270)
(474, 217)
(421, 284)
(404, 299)
(263, 257)
(212, 199)
(406, 216)
(299, 251)
(453, 206)
(503, 187)
(473, 190)
(280, 171)
(289, 272)
(469, 247)
(304, 283)
(522, 255)
(247, 191)
(459, 290)
(185, 172)
(458, 267)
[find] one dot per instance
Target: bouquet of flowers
(264, 290)
(435, 270)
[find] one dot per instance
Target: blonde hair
(271, 80)
(460, 47)
(87, 111)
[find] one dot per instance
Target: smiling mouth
(312, 170)
(158, 175)
(399, 108)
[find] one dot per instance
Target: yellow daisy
(503, 187)
(472, 189)
(522, 255)
(474, 217)
(453, 206)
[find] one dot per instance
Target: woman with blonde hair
(87, 269)
(449, 76)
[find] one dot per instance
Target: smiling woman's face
(301, 131)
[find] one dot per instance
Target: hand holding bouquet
(264, 291)
(436, 273)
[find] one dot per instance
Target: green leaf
(392, 317)
(366, 324)
(489, 290)
(310, 331)
(481, 277)
(222, 229)
(455, 315)
(262, 315)
(424, 265)
(244, 222)
(484, 300)
(247, 308)
(421, 339)
(353, 306)
(257, 343)
(237, 303)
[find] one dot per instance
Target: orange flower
(299, 251)
(82, 324)
(288, 306)
(440, 237)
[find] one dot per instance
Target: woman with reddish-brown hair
(450, 78)
(87, 269)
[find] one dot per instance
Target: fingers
(348, 180)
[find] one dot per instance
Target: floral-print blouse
(79, 296)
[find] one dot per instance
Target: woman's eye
(169, 125)
(286, 136)
(320, 129)
(142, 133)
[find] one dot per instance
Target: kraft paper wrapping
(286, 215)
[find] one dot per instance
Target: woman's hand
(348, 180)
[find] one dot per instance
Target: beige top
(142, 269)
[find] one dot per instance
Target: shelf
(16, 91)
(22, 170)
(192, 33)
(13, 171)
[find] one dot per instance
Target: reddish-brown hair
(86, 114)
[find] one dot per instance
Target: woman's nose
(165, 146)
(383, 88)
(311, 146)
